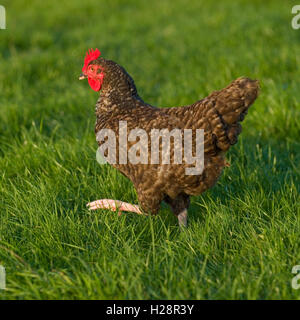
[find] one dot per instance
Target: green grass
(243, 236)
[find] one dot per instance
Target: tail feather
(231, 106)
(219, 114)
(233, 101)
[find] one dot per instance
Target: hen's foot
(114, 205)
(182, 218)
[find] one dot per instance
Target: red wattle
(94, 84)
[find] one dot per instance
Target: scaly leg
(179, 206)
(114, 205)
(182, 218)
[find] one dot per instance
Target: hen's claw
(114, 205)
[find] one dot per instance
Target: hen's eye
(92, 69)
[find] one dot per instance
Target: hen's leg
(182, 218)
(114, 205)
(150, 200)
(179, 206)
(149, 203)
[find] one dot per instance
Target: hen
(219, 115)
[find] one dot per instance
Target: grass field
(243, 235)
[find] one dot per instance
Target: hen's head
(105, 73)
(92, 71)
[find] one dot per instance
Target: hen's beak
(82, 76)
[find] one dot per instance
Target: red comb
(90, 56)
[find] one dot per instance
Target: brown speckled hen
(219, 115)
